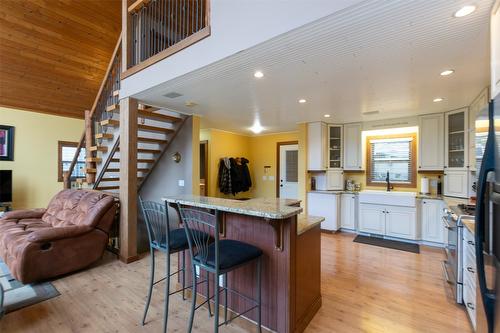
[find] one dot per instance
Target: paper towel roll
(424, 185)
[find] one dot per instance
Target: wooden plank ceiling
(54, 53)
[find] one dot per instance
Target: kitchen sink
(406, 199)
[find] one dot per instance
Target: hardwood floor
(364, 288)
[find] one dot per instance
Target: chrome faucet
(387, 180)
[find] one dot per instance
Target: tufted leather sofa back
(77, 208)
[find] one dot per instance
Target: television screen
(5, 185)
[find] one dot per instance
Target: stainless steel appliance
(453, 265)
(487, 226)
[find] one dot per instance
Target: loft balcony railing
(157, 29)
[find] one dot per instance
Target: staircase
(156, 129)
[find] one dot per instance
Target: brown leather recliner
(69, 235)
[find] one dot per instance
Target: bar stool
(218, 257)
(160, 233)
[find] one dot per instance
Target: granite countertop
(272, 208)
(451, 201)
(470, 224)
(430, 196)
(333, 192)
(307, 222)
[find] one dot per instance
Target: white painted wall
(236, 25)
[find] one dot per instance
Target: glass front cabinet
(334, 147)
(457, 135)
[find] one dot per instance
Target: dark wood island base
(291, 265)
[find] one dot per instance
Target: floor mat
(390, 244)
(18, 295)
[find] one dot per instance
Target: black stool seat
(178, 239)
(232, 253)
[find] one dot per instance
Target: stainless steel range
(452, 266)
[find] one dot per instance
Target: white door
(348, 211)
(455, 183)
(432, 226)
(289, 173)
(372, 219)
(401, 222)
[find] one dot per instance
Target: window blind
(393, 155)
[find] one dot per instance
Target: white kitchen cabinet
(335, 146)
(456, 139)
(348, 211)
(372, 219)
(495, 49)
(431, 142)
(431, 212)
(325, 205)
(479, 103)
(334, 180)
(469, 275)
(317, 146)
(352, 147)
(401, 222)
(456, 183)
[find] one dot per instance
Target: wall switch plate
(264, 178)
(271, 178)
(221, 280)
(181, 182)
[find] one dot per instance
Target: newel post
(88, 144)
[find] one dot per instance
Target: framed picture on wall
(6, 143)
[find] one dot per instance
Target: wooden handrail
(108, 161)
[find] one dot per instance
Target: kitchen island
(291, 263)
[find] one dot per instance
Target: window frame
(60, 145)
(413, 159)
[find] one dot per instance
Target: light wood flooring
(364, 289)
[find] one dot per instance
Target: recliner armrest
(24, 214)
(56, 233)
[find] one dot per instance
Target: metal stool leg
(208, 295)
(167, 292)
(183, 275)
(225, 298)
(151, 281)
(259, 298)
(216, 295)
(193, 303)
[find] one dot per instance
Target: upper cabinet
(456, 139)
(352, 147)
(495, 49)
(431, 142)
(317, 146)
(334, 146)
(476, 106)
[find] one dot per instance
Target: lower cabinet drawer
(470, 301)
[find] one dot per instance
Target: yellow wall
(263, 153)
(260, 150)
(35, 154)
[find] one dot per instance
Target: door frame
(278, 176)
(204, 143)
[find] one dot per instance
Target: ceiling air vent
(172, 94)
(369, 113)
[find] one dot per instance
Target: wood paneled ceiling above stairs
(54, 53)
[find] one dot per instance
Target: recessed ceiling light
(258, 74)
(302, 101)
(326, 116)
(438, 99)
(256, 128)
(447, 72)
(464, 11)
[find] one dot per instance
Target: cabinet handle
(470, 242)
(470, 269)
(470, 306)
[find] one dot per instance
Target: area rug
(391, 244)
(18, 295)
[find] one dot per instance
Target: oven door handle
(444, 263)
(446, 224)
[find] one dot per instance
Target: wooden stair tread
(98, 148)
(108, 187)
(145, 150)
(116, 93)
(90, 170)
(149, 128)
(110, 122)
(112, 107)
(139, 160)
(150, 114)
(116, 179)
(93, 159)
(151, 140)
(104, 136)
(118, 170)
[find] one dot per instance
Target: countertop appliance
(452, 266)
(487, 226)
